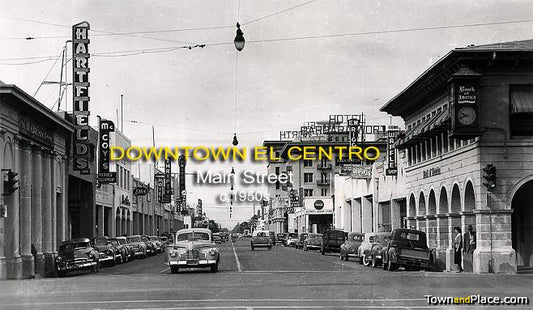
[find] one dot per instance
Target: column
(442, 240)
(14, 260)
(356, 214)
(61, 205)
(454, 220)
(47, 214)
(100, 212)
(366, 209)
(53, 205)
(467, 218)
(36, 210)
(26, 178)
(396, 221)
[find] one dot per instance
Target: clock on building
(466, 115)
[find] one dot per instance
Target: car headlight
(213, 251)
(173, 253)
(110, 252)
(91, 255)
(59, 259)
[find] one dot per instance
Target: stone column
(47, 214)
(366, 209)
(36, 210)
(13, 258)
(356, 215)
(62, 204)
(494, 251)
(101, 211)
(431, 228)
(26, 180)
(53, 204)
(396, 220)
(454, 220)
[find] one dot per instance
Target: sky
(303, 60)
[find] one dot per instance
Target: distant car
(130, 252)
(351, 245)
(300, 243)
(272, 235)
(408, 248)
(107, 253)
(370, 249)
(193, 248)
(157, 244)
(120, 248)
(76, 254)
(313, 241)
(217, 238)
(139, 247)
(163, 240)
(150, 245)
(332, 240)
(281, 238)
(292, 238)
(261, 239)
(234, 237)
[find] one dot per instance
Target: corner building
(444, 171)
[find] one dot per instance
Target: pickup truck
(261, 238)
(407, 248)
(332, 240)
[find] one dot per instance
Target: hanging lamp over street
(239, 38)
(235, 141)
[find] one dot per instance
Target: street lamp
(239, 39)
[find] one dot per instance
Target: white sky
(281, 84)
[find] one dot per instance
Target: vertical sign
(167, 192)
(105, 127)
(80, 87)
(159, 181)
(183, 193)
(200, 207)
(392, 168)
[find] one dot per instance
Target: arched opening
(455, 206)
(470, 198)
(432, 203)
(421, 204)
(412, 206)
(443, 222)
(522, 226)
(443, 201)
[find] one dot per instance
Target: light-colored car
(292, 239)
(261, 239)
(313, 241)
(193, 248)
(350, 247)
(370, 249)
(139, 247)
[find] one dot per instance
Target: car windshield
(114, 242)
(144, 239)
(193, 236)
(100, 241)
(153, 238)
(163, 238)
(262, 234)
(134, 239)
(73, 245)
(121, 241)
(315, 236)
(293, 235)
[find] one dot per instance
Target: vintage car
(130, 252)
(300, 242)
(157, 244)
(281, 238)
(150, 246)
(76, 254)
(351, 245)
(164, 241)
(407, 248)
(292, 239)
(332, 240)
(313, 241)
(370, 249)
(193, 248)
(139, 247)
(261, 239)
(217, 238)
(107, 253)
(120, 248)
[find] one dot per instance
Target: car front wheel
(366, 260)
(214, 268)
(374, 262)
(391, 266)
(174, 269)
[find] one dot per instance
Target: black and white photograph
(266, 154)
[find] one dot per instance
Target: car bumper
(72, 267)
(106, 259)
(193, 263)
(413, 262)
(313, 246)
(138, 253)
(261, 245)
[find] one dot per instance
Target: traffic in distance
(197, 248)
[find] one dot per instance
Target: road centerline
(236, 258)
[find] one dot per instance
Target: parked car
(351, 245)
(107, 253)
(370, 250)
(292, 238)
(272, 235)
(234, 237)
(157, 244)
(150, 245)
(407, 248)
(217, 238)
(129, 247)
(313, 241)
(76, 254)
(139, 247)
(281, 238)
(261, 239)
(120, 249)
(164, 241)
(300, 243)
(193, 248)
(332, 240)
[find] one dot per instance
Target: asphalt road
(283, 278)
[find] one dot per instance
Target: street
(282, 278)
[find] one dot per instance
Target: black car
(76, 254)
(407, 248)
(107, 253)
(332, 240)
(281, 238)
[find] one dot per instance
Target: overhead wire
(279, 12)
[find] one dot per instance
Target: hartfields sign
(80, 85)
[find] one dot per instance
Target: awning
(436, 123)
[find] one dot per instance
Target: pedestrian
(457, 246)
(469, 245)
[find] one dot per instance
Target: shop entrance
(522, 227)
(320, 223)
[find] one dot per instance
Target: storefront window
(521, 110)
